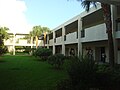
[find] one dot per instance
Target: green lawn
(27, 73)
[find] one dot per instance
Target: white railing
(95, 33)
(50, 42)
(118, 34)
(71, 38)
(58, 40)
(19, 43)
(118, 27)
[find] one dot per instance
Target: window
(77, 35)
(54, 40)
(82, 33)
(118, 24)
(64, 37)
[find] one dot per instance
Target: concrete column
(31, 42)
(13, 44)
(54, 42)
(114, 17)
(63, 44)
(80, 51)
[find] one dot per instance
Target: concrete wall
(58, 41)
(50, 42)
(71, 38)
(95, 33)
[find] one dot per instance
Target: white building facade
(19, 40)
(82, 35)
(86, 33)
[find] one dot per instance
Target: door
(103, 55)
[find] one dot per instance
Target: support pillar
(80, 50)
(63, 44)
(31, 42)
(114, 17)
(13, 44)
(54, 42)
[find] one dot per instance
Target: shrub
(27, 49)
(81, 74)
(56, 60)
(43, 53)
(108, 78)
(65, 84)
(11, 52)
(84, 74)
(33, 51)
(3, 49)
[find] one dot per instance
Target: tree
(3, 35)
(114, 2)
(1, 45)
(38, 31)
(107, 18)
(3, 31)
(45, 31)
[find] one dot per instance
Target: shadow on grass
(39, 59)
(15, 69)
(56, 69)
(2, 61)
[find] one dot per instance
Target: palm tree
(45, 31)
(36, 31)
(107, 18)
(3, 32)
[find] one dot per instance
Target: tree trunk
(36, 41)
(44, 40)
(107, 18)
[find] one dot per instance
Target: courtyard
(28, 73)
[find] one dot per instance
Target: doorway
(102, 54)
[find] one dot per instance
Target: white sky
(12, 16)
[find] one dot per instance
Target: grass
(17, 53)
(27, 73)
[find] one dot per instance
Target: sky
(21, 15)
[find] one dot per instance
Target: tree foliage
(3, 35)
(43, 53)
(38, 31)
(56, 60)
(3, 32)
(85, 74)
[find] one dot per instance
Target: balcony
(118, 34)
(71, 38)
(118, 29)
(95, 33)
(17, 43)
(50, 42)
(8, 42)
(58, 41)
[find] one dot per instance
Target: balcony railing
(58, 40)
(71, 38)
(95, 33)
(17, 43)
(50, 42)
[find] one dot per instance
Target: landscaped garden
(28, 73)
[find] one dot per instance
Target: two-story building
(86, 34)
(18, 39)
